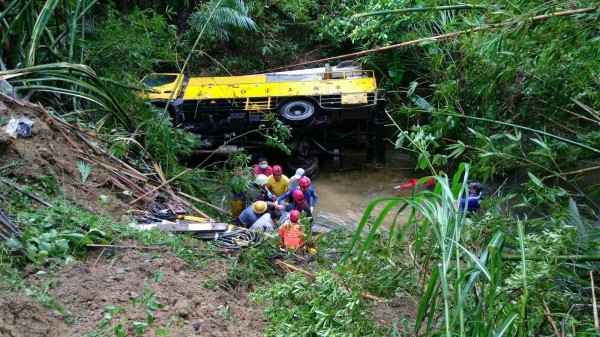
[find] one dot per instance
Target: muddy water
(344, 196)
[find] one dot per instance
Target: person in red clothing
(291, 232)
(262, 167)
(299, 204)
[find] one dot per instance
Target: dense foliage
(509, 87)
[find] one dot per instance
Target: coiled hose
(233, 238)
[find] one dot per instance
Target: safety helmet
(259, 207)
(261, 179)
(298, 195)
(294, 215)
(303, 182)
(277, 169)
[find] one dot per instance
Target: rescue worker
(299, 204)
(253, 212)
(238, 193)
(260, 190)
(475, 196)
(262, 167)
(267, 222)
(291, 232)
(294, 180)
(309, 193)
(278, 183)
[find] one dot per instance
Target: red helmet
(294, 215)
(303, 182)
(298, 195)
(277, 169)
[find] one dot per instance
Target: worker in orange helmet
(291, 232)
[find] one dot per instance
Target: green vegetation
(494, 90)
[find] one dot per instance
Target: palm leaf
(39, 28)
(76, 74)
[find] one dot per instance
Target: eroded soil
(193, 302)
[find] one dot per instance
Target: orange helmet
(303, 182)
(294, 215)
(298, 195)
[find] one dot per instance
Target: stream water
(344, 196)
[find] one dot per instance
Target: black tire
(298, 113)
(172, 115)
(309, 164)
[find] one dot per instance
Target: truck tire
(310, 164)
(297, 112)
(172, 115)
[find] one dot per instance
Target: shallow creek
(344, 196)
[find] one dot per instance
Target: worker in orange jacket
(291, 232)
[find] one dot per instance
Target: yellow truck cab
(329, 108)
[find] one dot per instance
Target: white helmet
(261, 179)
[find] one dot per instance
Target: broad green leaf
(139, 327)
(535, 180)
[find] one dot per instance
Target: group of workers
(275, 198)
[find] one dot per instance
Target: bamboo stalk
(437, 37)
(162, 177)
(205, 203)
(22, 190)
(6, 221)
(578, 258)
(161, 185)
(312, 276)
(421, 9)
(550, 319)
(595, 307)
(175, 197)
(117, 169)
(573, 172)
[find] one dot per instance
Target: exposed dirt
(47, 154)
(22, 316)
(192, 303)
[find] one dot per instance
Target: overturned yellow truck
(337, 113)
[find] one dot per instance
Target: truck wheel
(172, 115)
(310, 164)
(297, 113)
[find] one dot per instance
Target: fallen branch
(312, 276)
(573, 172)
(172, 194)
(22, 190)
(205, 203)
(160, 186)
(438, 37)
(8, 224)
(550, 319)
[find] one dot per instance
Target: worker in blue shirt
(475, 196)
(253, 212)
(309, 193)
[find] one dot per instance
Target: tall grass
(462, 287)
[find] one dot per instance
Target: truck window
(158, 80)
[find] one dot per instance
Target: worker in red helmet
(299, 204)
(278, 183)
(309, 193)
(291, 232)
